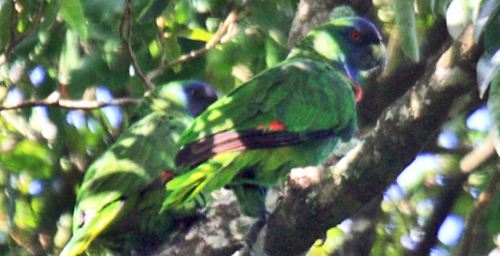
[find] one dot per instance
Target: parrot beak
(356, 85)
(379, 59)
(373, 65)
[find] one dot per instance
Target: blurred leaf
(487, 68)
(439, 7)
(333, 241)
(494, 107)
(487, 13)
(5, 15)
(460, 14)
(72, 12)
(152, 10)
(405, 21)
(274, 52)
(30, 157)
(25, 217)
(197, 34)
(69, 58)
(173, 51)
(342, 11)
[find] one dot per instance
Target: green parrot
(289, 115)
(123, 189)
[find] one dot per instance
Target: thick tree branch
(311, 205)
(55, 101)
(221, 232)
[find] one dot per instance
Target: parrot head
(352, 44)
(192, 96)
(199, 96)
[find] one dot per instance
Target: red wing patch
(274, 126)
(167, 175)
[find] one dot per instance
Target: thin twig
(223, 28)
(448, 196)
(69, 104)
(34, 24)
(13, 41)
(126, 24)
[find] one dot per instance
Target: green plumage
(311, 91)
(120, 196)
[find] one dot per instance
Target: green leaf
(30, 157)
(439, 7)
(5, 10)
(69, 58)
(197, 34)
(488, 12)
(72, 12)
(173, 51)
(494, 107)
(406, 24)
(152, 10)
(460, 14)
(487, 68)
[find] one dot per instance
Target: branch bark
(309, 208)
(222, 232)
(55, 101)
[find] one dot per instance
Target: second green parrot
(122, 190)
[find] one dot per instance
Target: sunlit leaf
(494, 107)
(24, 217)
(460, 14)
(30, 157)
(72, 12)
(69, 57)
(488, 13)
(488, 67)
(197, 34)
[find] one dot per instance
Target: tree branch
(56, 101)
(126, 24)
(13, 41)
(362, 234)
(484, 199)
(448, 196)
(221, 232)
(311, 205)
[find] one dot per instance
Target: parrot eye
(192, 92)
(355, 36)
